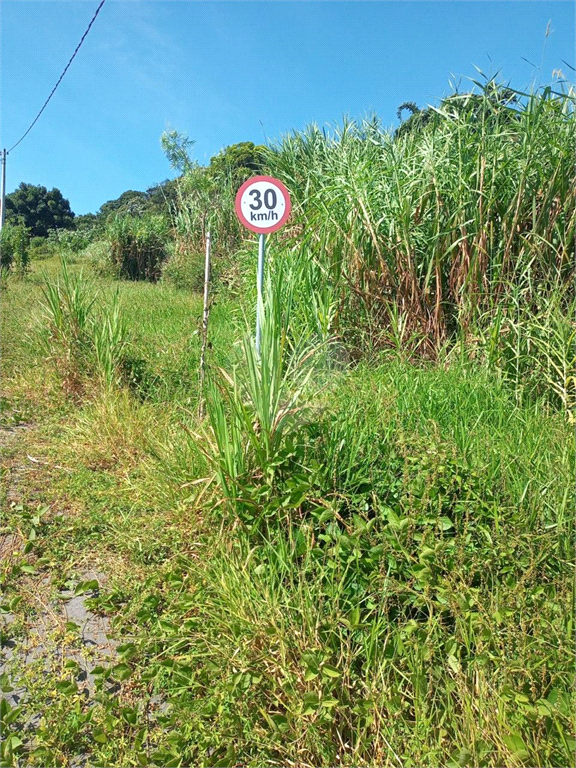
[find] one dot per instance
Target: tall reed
(438, 222)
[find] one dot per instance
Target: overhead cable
(59, 80)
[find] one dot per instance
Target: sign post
(263, 205)
(260, 287)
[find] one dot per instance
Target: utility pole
(3, 191)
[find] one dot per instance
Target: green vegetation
(137, 246)
(38, 209)
(15, 249)
(364, 554)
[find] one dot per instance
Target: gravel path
(61, 629)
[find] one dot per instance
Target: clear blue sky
(225, 72)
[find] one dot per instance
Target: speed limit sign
(263, 204)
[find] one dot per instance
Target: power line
(59, 80)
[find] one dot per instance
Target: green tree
(38, 209)
(130, 202)
(86, 222)
(237, 162)
(162, 197)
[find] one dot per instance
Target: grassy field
(363, 555)
(366, 564)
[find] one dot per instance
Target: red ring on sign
(255, 227)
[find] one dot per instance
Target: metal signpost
(262, 205)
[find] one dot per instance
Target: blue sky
(224, 72)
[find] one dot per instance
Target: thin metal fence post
(204, 324)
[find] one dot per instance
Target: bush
(184, 268)
(98, 256)
(138, 246)
(15, 248)
(69, 241)
(40, 248)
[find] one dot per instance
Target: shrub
(138, 246)
(40, 248)
(98, 257)
(184, 267)
(69, 241)
(15, 248)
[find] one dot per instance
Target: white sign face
(263, 204)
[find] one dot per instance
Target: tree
(162, 197)
(38, 209)
(86, 222)
(130, 202)
(237, 162)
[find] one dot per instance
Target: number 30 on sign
(263, 204)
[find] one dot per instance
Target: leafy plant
(256, 412)
(15, 248)
(79, 341)
(137, 246)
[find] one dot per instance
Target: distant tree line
(38, 209)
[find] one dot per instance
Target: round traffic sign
(263, 204)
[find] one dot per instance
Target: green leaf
(516, 745)
(5, 684)
(67, 687)
(454, 664)
(354, 617)
(126, 650)
(4, 708)
(331, 671)
(130, 715)
(86, 586)
(464, 757)
(311, 703)
(121, 671)
(15, 602)
(13, 742)
(521, 698)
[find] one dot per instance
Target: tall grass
(388, 600)
(137, 246)
(81, 340)
(439, 226)
(255, 412)
(399, 590)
